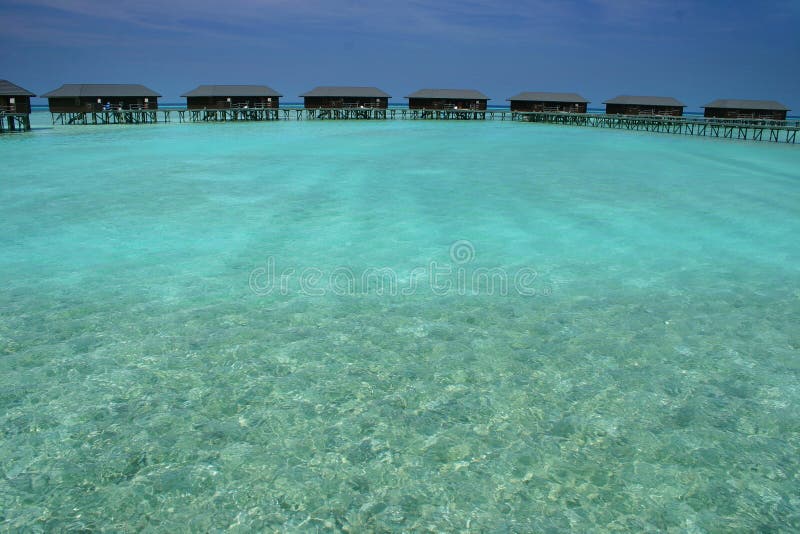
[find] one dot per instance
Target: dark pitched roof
(336, 91)
(9, 89)
(454, 94)
(549, 97)
(728, 103)
(646, 101)
(232, 90)
(71, 90)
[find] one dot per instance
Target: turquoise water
(645, 380)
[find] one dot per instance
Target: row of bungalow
(80, 98)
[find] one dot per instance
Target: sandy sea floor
(643, 376)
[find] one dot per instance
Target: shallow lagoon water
(647, 382)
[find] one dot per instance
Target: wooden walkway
(740, 129)
(14, 122)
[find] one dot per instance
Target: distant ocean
(397, 326)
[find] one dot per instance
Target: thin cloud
(278, 23)
(446, 19)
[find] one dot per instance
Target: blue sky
(693, 50)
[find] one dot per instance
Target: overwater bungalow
(14, 99)
(466, 99)
(89, 97)
(746, 109)
(232, 97)
(549, 102)
(15, 107)
(345, 97)
(644, 105)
